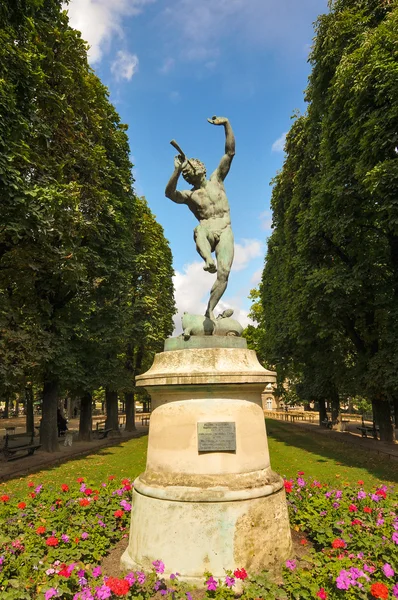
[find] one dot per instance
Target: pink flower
(322, 594)
(229, 581)
(290, 564)
(159, 566)
(51, 593)
(388, 570)
(211, 584)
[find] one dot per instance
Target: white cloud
(266, 220)
(167, 66)
(245, 252)
(279, 144)
(192, 289)
(193, 285)
(124, 66)
(256, 277)
(100, 20)
(200, 26)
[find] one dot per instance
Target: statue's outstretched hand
(218, 120)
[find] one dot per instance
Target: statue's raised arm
(225, 163)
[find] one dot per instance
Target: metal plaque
(217, 437)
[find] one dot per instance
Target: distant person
(61, 423)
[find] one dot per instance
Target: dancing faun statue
(208, 202)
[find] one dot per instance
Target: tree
(332, 266)
(68, 246)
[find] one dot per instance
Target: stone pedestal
(207, 510)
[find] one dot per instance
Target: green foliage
(85, 269)
(330, 283)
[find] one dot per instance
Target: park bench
(373, 431)
(19, 442)
(145, 420)
(327, 423)
(100, 430)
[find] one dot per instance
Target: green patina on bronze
(204, 341)
(208, 202)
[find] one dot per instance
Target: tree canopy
(76, 244)
(330, 284)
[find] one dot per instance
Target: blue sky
(171, 64)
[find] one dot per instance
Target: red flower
(52, 541)
(95, 497)
(111, 477)
(360, 482)
(118, 513)
(21, 505)
(322, 594)
(288, 486)
(352, 508)
(367, 509)
(32, 495)
(120, 587)
(240, 574)
(80, 479)
(379, 590)
(125, 481)
(77, 540)
(356, 522)
(338, 543)
(31, 484)
(84, 502)
(303, 542)
(88, 492)
(41, 529)
(127, 487)
(300, 473)
(381, 493)
(5, 498)
(64, 487)
(65, 571)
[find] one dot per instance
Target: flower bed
(53, 540)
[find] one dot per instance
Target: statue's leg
(203, 247)
(225, 256)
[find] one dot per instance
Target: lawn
(291, 449)
(320, 456)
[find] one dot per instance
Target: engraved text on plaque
(217, 437)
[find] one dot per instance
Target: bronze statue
(208, 202)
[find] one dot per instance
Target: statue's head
(194, 176)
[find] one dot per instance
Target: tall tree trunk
(130, 411)
(335, 401)
(6, 406)
(129, 397)
(30, 419)
(48, 427)
(395, 401)
(17, 406)
(382, 418)
(112, 421)
(86, 417)
(322, 410)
